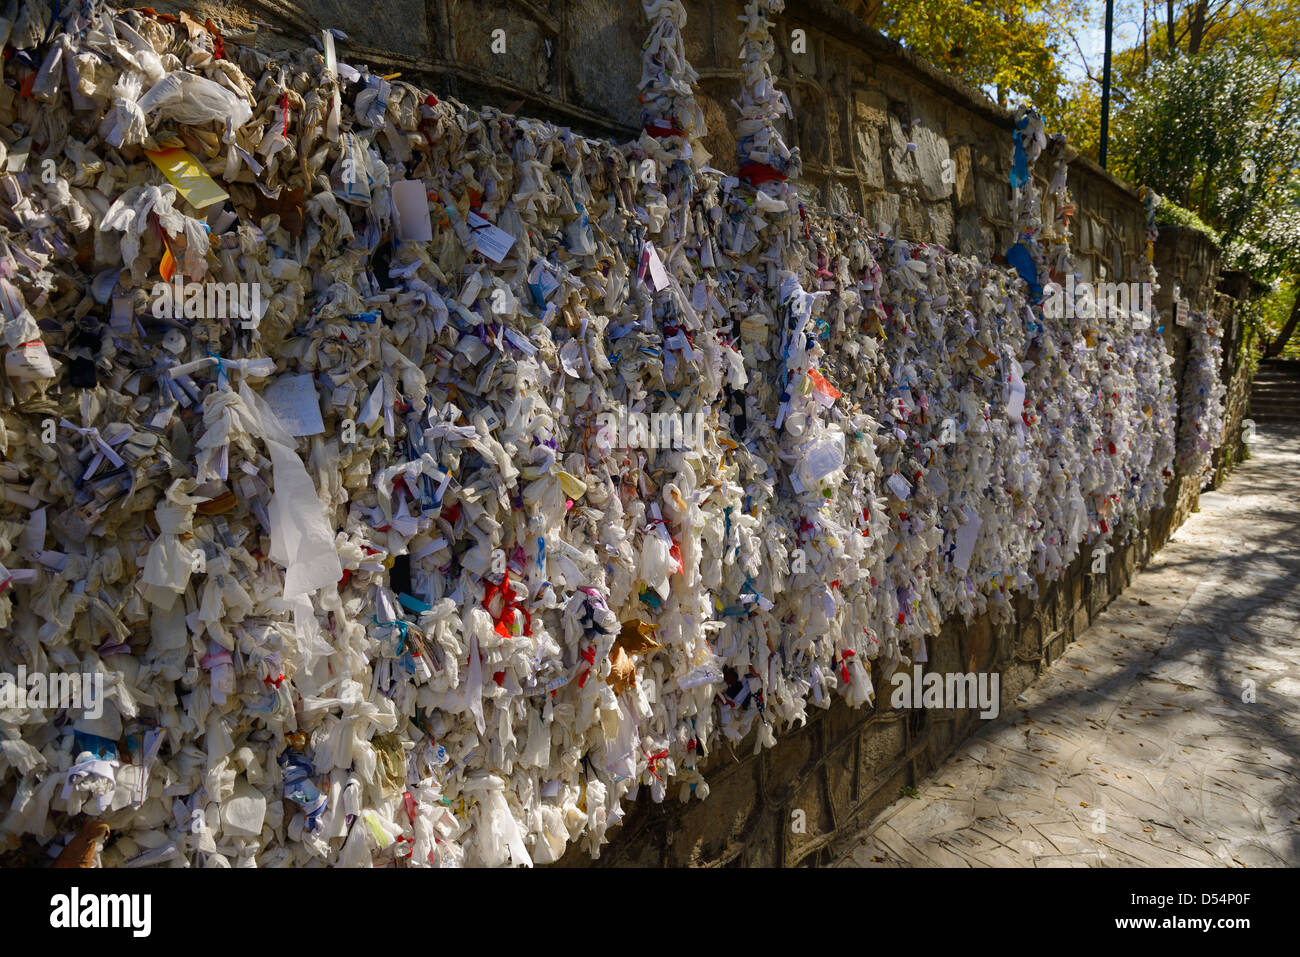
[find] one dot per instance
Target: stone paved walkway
(1137, 748)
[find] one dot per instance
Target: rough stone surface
(1167, 735)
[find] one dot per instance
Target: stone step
(1280, 395)
(1288, 370)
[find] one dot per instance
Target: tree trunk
(1196, 31)
(1169, 25)
(1283, 337)
(1146, 48)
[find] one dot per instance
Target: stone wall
(847, 765)
(1233, 292)
(878, 129)
(1189, 264)
(859, 100)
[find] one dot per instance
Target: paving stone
(1148, 717)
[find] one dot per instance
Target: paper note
(492, 242)
(1016, 398)
(825, 457)
(123, 315)
(294, 401)
(412, 207)
(966, 537)
(653, 267)
(898, 485)
(331, 59)
(520, 342)
(16, 161)
(542, 282)
(186, 173)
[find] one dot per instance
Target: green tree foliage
(1218, 133)
(1010, 49)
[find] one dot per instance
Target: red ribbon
(509, 603)
(755, 174)
(218, 44)
(655, 759)
(660, 132)
(427, 123)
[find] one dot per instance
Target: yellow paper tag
(573, 486)
(186, 173)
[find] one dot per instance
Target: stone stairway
(1275, 397)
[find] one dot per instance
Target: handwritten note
(294, 401)
(491, 241)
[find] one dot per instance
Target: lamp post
(1105, 87)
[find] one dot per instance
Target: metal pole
(1105, 87)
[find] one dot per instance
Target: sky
(1092, 36)
(1092, 41)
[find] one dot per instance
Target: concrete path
(1168, 735)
